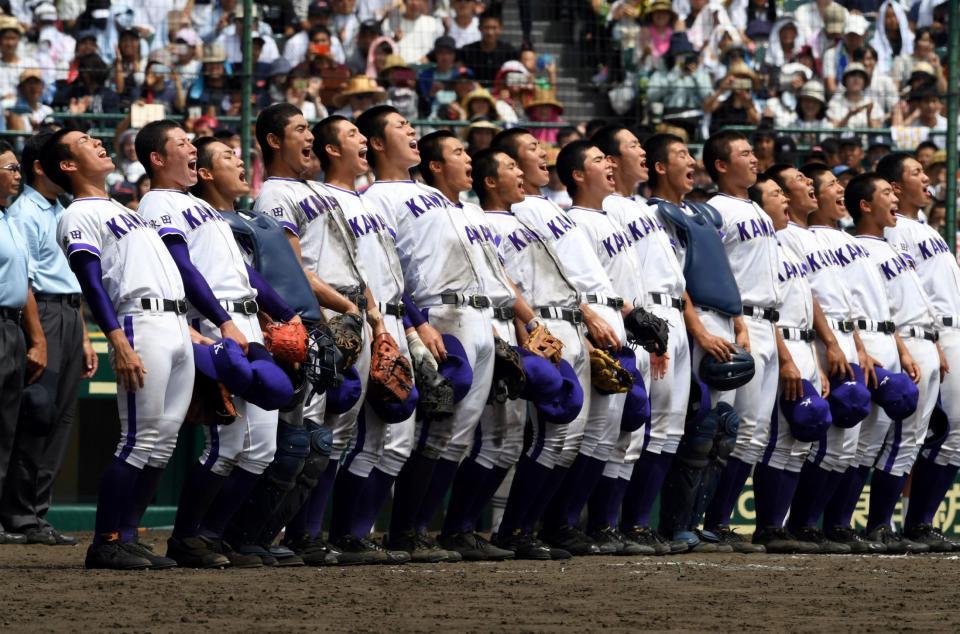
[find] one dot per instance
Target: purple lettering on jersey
(842, 259)
(310, 206)
(190, 218)
(115, 229)
(516, 241)
(472, 234)
(414, 208)
(898, 263)
(742, 231)
(812, 261)
(560, 225)
(487, 234)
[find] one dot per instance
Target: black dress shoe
(12, 538)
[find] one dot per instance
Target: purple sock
(839, 510)
(583, 488)
(603, 497)
(443, 474)
(143, 491)
(347, 492)
(199, 491)
(644, 488)
(885, 490)
(541, 507)
(484, 494)
(946, 475)
(810, 489)
(555, 513)
(731, 483)
(411, 486)
(929, 484)
(529, 481)
(309, 520)
(766, 487)
(467, 483)
(113, 499)
(374, 495)
(233, 494)
(788, 486)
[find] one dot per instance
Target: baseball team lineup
(402, 346)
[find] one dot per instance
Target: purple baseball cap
(566, 405)
(340, 398)
(224, 361)
(390, 412)
(808, 416)
(849, 400)
(270, 388)
(456, 367)
(544, 381)
(896, 393)
(636, 407)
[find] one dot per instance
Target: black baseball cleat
(12, 538)
(607, 541)
(932, 537)
(857, 543)
(237, 559)
(111, 555)
(824, 546)
(285, 557)
(393, 556)
(896, 543)
(571, 539)
(431, 542)
(473, 547)
(312, 550)
(355, 552)
(632, 548)
(776, 541)
(157, 562)
(195, 552)
(728, 536)
(523, 545)
(648, 541)
(421, 551)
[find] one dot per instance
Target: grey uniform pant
(36, 459)
(12, 363)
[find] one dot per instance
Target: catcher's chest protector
(710, 281)
(275, 260)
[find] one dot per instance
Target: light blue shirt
(36, 219)
(15, 270)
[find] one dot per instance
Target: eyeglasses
(12, 167)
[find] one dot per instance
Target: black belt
(245, 307)
(12, 314)
(397, 310)
(883, 327)
(72, 299)
(770, 314)
(920, 333)
(571, 315)
(504, 313)
(798, 334)
(177, 306)
(612, 302)
(843, 325)
(458, 299)
(667, 300)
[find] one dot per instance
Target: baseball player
(134, 290)
(896, 323)
(812, 221)
(392, 151)
(586, 446)
(937, 269)
(751, 245)
(664, 282)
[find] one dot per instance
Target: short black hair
(570, 160)
(151, 138)
(372, 123)
(431, 149)
(604, 138)
(6, 147)
(204, 158)
(815, 171)
(53, 152)
(754, 191)
(657, 148)
(775, 173)
(492, 13)
(32, 151)
(567, 131)
(592, 126)
(861, 187)
(717, 148)
(272, 120)
(890, 167)
(324, 134)
(926, 145)
(506, 141)
(485, 165)
(94, 65)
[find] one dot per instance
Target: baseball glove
(543, 344)
(211, 403)
(607, 375)
(287, 342)
(347, 331)
(647, 330)
(509, 377)
(436, 394)
(391, 377)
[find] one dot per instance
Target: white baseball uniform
(583, 268)
(911, 311)
(137, 266)
(940, 275)
(751, 245)
(534, 266)
(825, 274)
(663, 279)
(251, 440)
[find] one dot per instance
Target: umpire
(49, 401)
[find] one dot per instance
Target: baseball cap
(543, 378)
(809, 416)
(45, 12)
(319, 8)
(849, 400)
(224, 361)
(636, 406)
(38, 404)
(341, 398)
(856, 24)
(566, 405)
(456, 367)
(370, 26)
(895, 392)
(30, 73)
(391, 412)
(834, 18)
(187, 36)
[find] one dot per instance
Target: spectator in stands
(542, 68)
(129, 66)
(54, 49)
(279, 15)
(814, 17)
(924, 56)
(811, 109)
(400, 80)
(361, 93)
(209, 90)
(479, 134)
(465, 26)
(480, 103)
(29, 111)
(128, 169)
(879, 146)
(185, 59)
(380, 49)
(345, 23)
(11, 63)
(357, 60)
(204, 125)
(659, 21)
(486, 57)
(162, 85)
(566, 135)
(893, 36)
(761, 17)
(434, 78)
(837, 58)
(782, 106)
(718, 14)
(319, 14)
(764, 142)
(89, 93)
(303, 91)
(512, 89)
(732, 102)
(926, 109)
(678, 91)
(924, 153)
(783, 46)
(851, 154)
(231, 37)
(852, 107)
(937, 217)
(417, 33)
(880, 88)
(544, 108)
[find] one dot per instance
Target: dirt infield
(46, 589)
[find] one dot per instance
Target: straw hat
(856, 67)
(10, 23)
(544, 97)
(478, 93)
(394, 61)
(479, 123)
(739, 68)
(214, 54)
(360, 85)
(659, 5)
(30, 73)
(813, 89)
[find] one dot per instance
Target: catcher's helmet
(727, 375)
(324, 365)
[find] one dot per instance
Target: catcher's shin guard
(320, 443)
(726, 438)
(680, 487)
(293, 449)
